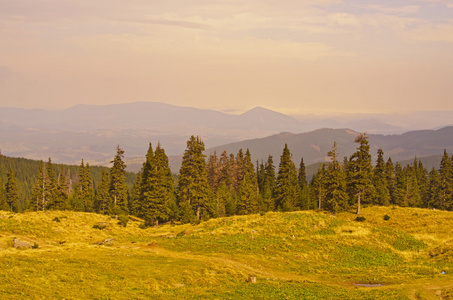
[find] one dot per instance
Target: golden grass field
(298, 255)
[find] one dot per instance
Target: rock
(20, 244)
(252, 279)
(106, 242)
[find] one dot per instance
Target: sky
(293, 56)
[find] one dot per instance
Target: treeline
(225, 185)
(26, 173)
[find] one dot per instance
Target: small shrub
(360, 219)
(56, 219)
(386, 217)
(142, 226)
(122, 220)
(35, 246)
(100, 227)
(61, 242)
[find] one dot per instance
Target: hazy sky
(294, 56)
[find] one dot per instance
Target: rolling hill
(298, 255)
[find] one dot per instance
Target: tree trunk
(198, 212)
(358, 204)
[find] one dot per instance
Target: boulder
(20, 244)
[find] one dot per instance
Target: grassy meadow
(298, 255)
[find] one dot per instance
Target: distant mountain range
(314, 145)
(92, 132)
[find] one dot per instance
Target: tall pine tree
(335, 184)
(12, 192)
(287, 189)
(118, 188)
(361, 172)
(194, 193)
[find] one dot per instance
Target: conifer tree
(413, 197)
(3, 205)
(401, 186)
(118, 188)
(302, 175)
(193, 187)
(12, 192)
(226, 195)
(103, 197)
(435, 192)
(225, 204)
(287, 189)
(84, 192)
(61, 202)
(213, 171)
(39, 194)
(269, 185)
(249, 199)
(423, 183)
(446, 179)
(165, 187)
(335, 184)
(134, 199)
(51, 186)
(304, 198)
(391, 180)
(380, 181)
(318, 185)
(361, 172)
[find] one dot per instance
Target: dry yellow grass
(294, 256)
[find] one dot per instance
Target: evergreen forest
(224, 185)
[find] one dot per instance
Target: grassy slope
(300, 255)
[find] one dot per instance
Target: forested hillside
(226, 184)
(26, 173)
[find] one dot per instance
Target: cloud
(5, 73)
(433, 32)
(393, 10)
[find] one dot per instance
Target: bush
(56, 219)
(386, 217)
(100, 227)
(122, 220)
(360, 219)
(142, 226)
(35, 246)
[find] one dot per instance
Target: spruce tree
(302, 175)
(51, 186)
(413, 195)
(103, 197)
(380, 181)
(118, 188)
(391, 180)
(193, 187)
(134, 199)
(304, 199)
(401, 186)
(213, 171)
(446, 178)
(318, 187)
(62, 192)
(84, 191)
(269, 185)
(335, 184)
(39, 193)
(361, 172)
(249, 198)
(165, 191)
(287, 189)
(435, 192)
(3, 205)
(12, 192)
